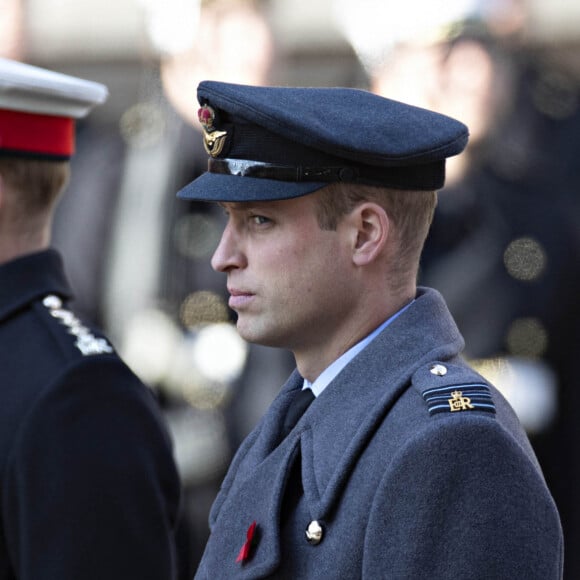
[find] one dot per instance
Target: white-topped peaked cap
(24, 87)
(38, 108)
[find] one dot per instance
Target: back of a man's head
(38, 110)
(31, 186)
(29, 190)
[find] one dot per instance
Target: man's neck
(312, 360)
(12, 248)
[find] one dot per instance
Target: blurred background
(504, 249)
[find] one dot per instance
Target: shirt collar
(330, 372)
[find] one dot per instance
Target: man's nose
(228, 254)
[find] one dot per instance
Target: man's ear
(372, 226)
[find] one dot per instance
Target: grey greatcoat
(412, 465)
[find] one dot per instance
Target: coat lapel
(259, 444)
(257, 498)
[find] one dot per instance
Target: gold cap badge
(213, 140)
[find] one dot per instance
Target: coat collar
(29, 278)
(362, 394)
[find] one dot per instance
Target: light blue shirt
(328, 374)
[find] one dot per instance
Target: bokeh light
(525, 259)
(142, 125)
(149, 344)
(555, 94)
(220, 353)
(527, 337)
(530, 386)
(197, 235)
(203, 307)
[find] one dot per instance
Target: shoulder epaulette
(85, 340)
(448, 388)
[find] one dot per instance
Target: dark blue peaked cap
(268, 143)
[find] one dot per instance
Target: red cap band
(44, 135)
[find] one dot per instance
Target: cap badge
(213, 140)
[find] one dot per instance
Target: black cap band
(432, 175)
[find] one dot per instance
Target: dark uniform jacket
(88, 486)
(408, 466)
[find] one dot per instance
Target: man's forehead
(248, 205)
(236, 205)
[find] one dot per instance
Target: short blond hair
(411, 213)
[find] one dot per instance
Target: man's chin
(247, 331)
(250, 333)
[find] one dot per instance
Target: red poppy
(248, 544)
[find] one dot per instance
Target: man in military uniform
(406, 463)
(89, 487)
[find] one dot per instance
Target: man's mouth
(239, 298)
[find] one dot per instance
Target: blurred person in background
(504, 247)
(11, 29)
(164, 304)
(89, 486)
(384, 454)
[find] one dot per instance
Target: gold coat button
(314, 533)
(439, 370)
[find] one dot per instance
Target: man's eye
(259, 220)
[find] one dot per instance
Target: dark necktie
(299, 404)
